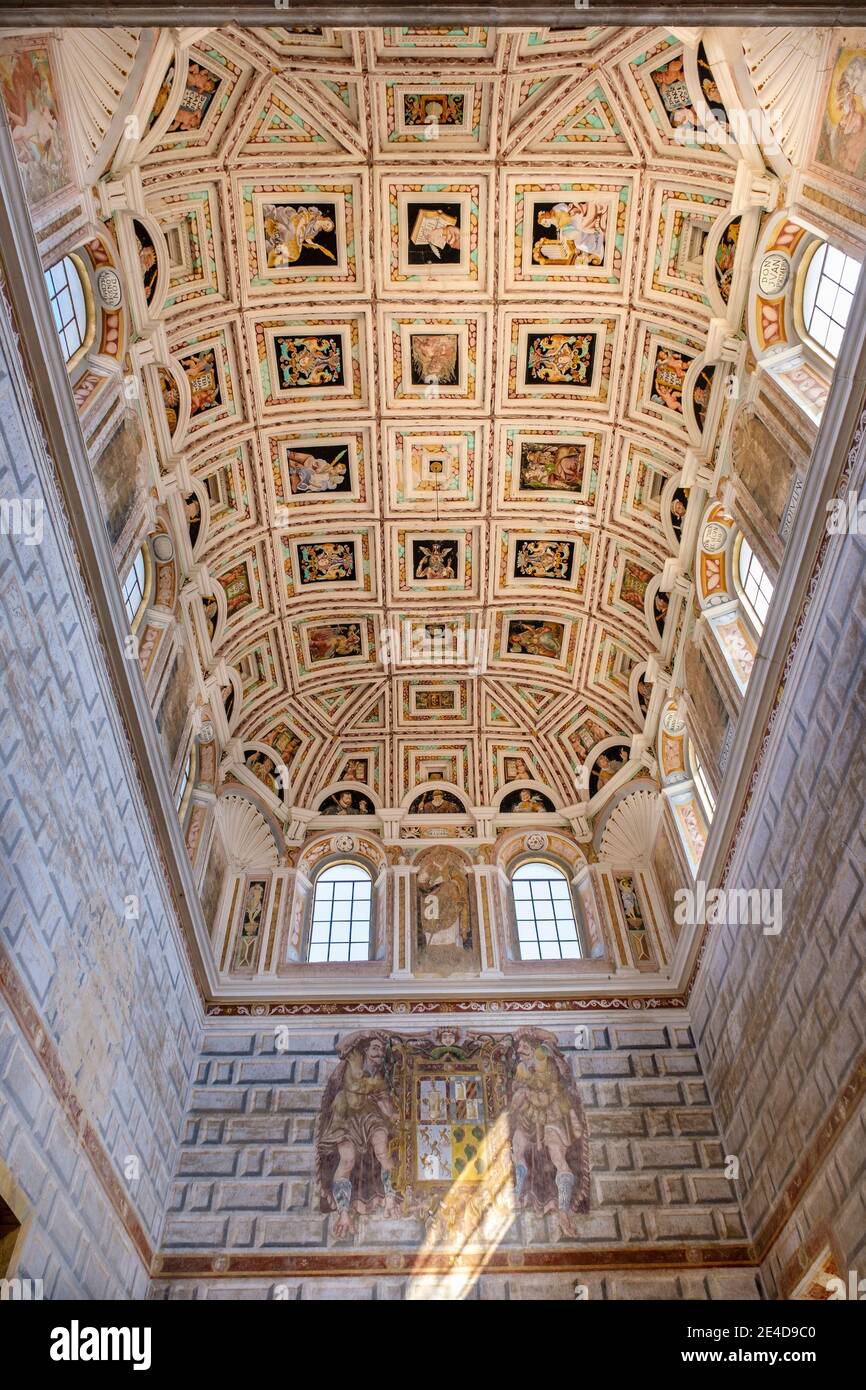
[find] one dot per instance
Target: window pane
(834, 262)
(341, 913)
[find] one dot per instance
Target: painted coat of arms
(464, 1133)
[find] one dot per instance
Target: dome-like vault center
(431, 649)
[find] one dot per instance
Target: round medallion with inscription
(774, 273)
(109, 288)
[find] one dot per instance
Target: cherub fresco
(670, 82)
(201, 85)
(548, 1133)
(668, 377)
(357, 1123)
(200, 370)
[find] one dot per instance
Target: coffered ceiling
(434, 304)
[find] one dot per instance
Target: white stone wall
(779, 1020)
(110, 994)
(246, 1174)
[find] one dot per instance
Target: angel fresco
(435, 560)
(357, 1123)
(548, 1134)
(296, 234)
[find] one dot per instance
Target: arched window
(183, 784)
(341, 913)
(754, 585)
(702, 786)
(546, 927)
(134, 586)
(831, 278)
(68, 305)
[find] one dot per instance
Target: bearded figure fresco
(357, 1123)
(548, 1134)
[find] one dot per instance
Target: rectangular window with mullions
(340, 927)
(544, 912)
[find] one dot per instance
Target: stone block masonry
(245, 1184)
(99, 1028)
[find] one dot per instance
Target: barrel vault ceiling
(431, 299)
